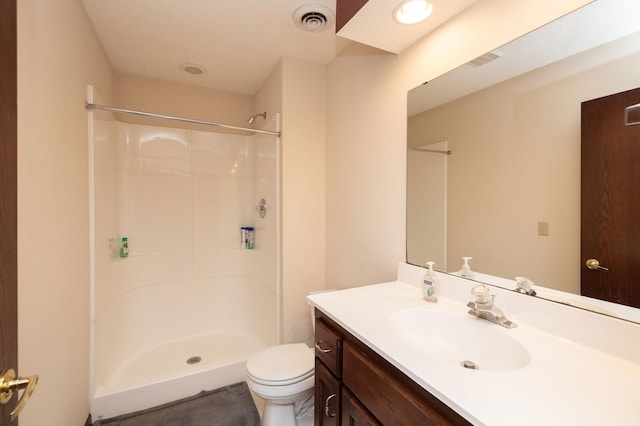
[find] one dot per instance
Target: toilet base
(292, 414)
(282, 415)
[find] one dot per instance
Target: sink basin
(459, 339)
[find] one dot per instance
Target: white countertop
(567, 381)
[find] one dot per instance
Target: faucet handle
(482, 293)
(524, 285)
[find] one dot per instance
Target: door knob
(594, 265)
(9, 383)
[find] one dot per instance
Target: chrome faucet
(484, 308)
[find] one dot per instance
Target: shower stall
(188, 304)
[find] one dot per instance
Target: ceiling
(239, 42)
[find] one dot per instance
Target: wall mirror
(494, 153)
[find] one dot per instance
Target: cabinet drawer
(328, 347)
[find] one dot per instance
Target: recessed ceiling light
(412, 11)
(194, 69)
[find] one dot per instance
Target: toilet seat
(282, 365)
(284, 392)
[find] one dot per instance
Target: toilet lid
(282, 364)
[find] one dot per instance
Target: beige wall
(181, 100)
(303, 193)
(365, 170)
(366, 132)
(58, 55)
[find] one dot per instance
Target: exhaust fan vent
(485, 59)
(313, 17)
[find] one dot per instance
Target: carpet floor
(228, 406)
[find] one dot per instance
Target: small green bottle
(124, 247)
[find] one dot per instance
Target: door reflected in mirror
(513, 127)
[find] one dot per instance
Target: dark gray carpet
(228, 406)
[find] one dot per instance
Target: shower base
(174, 370)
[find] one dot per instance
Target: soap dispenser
(465, 271)
(430, 285)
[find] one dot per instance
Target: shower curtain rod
(436, 151)
(88, 105)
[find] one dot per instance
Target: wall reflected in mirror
(513, 128)
(427, 206)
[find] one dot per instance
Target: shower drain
(194, 360)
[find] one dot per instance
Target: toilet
(283, 376)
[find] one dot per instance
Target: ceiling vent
(485, 59)
(313, 18)
(194, 69)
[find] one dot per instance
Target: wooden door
(8, 197)
(610, 204)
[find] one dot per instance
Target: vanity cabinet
(356, 386)
(353, 413)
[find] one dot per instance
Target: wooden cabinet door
(327, 397)
(354, 413)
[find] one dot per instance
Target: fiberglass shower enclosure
(188, 305)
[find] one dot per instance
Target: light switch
(543, 228)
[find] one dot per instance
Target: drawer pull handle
(326, 406)
(321, 349)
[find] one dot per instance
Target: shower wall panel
(180, 197)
